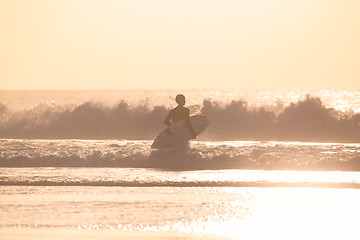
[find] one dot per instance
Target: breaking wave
(305, 120)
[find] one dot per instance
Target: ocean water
(281, 164)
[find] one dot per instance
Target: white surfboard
(178, 134)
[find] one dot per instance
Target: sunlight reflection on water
(234, 213)
(342, 100)
(286, 214)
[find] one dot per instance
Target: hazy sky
(90, 44)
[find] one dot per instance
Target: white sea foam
(201, 155)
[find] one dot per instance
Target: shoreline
(74, 234)
(264, 184)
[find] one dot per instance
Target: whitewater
(82, 160)
(137, 115)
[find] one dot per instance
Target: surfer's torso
(177, 114)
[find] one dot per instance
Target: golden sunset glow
(179, 119)
(93, 44)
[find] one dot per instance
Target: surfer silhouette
(180, 112)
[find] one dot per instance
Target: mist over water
(232, 116)
(305, 120)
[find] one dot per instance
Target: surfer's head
(180, 99)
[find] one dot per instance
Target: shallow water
(229, 212)
(207, 189)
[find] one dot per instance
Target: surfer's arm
(168, 118)
(188, 123)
